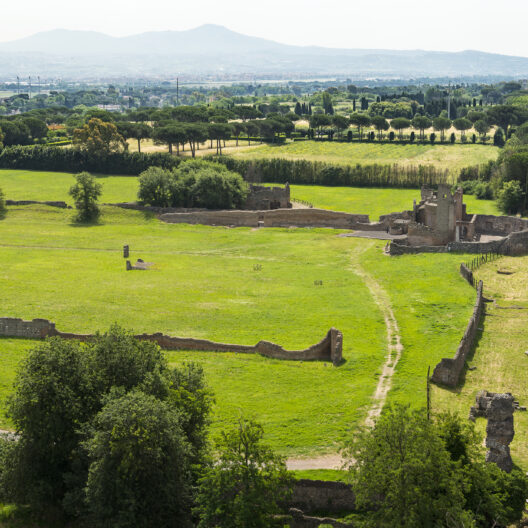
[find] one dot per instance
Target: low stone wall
(62, 205)
(396, 249)
(272, 218)
(297, 519)
(448, 371)
(330, 348)
(498, 225)
(35, 329)
(319, 495)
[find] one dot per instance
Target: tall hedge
(306, 172)
(45, 158)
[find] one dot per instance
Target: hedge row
(319, 173)
(264, 170)
(47, 158)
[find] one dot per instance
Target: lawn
(54, 186)
(374, 201)
(42, 186)
(499, 357)
(452, 157)
(206, 284)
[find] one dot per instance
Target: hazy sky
(452, 25)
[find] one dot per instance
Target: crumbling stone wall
(498, 409)
(35, 329)
(297, 519)
(61, 205)
(448, 371)
(498, 225)
(272, 218)
(319, 495)
(262, 198)
(330, 348)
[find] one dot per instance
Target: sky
(496, 26)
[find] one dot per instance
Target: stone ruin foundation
(498, 409)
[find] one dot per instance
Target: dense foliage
(69, 398)
(246, 485)
(195, 183)
(409, 471)
(3, 209)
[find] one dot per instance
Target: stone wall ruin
(330, 348)
(498, 409)
(449, 370)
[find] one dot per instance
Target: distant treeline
(264, 170)
(306, 172)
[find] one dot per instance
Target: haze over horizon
(481, 25)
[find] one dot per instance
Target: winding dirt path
(394, 352)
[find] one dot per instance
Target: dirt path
(394, 346)
(394, 351)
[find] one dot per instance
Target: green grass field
(374, 201)
(42, 186)
(205, 285)
(452, 157)
(499, 357)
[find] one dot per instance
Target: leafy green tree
(246, 485)
(197, 133)
(402, 473)
(171, 134)
(85, 194)
(139, 471)
(380, 124)
(37, 127)
(219, 132)
(327, 104)
(498, 138)
(482, 127)
(320, 121)
(503, 116)
(400, 124)
(361, 121)
(341, 123)
(238, 130)
(462, 124)
(99, 137)
(140, 131)
(421, 123)
(15, 133)
(155, 187)
(441, 124)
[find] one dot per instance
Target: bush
(510, 197)
(498, 138)
(196, 183)
(483, 191)
(85, 193)
(452, 138)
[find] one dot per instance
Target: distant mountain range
(217, 51)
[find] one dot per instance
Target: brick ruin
(330, 348)
(498, 409)
(263, 198)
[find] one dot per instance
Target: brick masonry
(330, 348)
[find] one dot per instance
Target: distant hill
(211, 49)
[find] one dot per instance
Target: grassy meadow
(206, 283)
(499, 356)
(43, 186)
(452, 157)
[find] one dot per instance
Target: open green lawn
(499, 357)
(42, 186)
(54, 186)
(205, 285)
(374, 201)
(452, 157)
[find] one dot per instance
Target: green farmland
(452, 157)
(206, 284)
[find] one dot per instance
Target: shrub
(196, 183)
(452, 138)
(510, 197)
(483, 191)
(412, 137)
(85, 194)
(498, 138)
